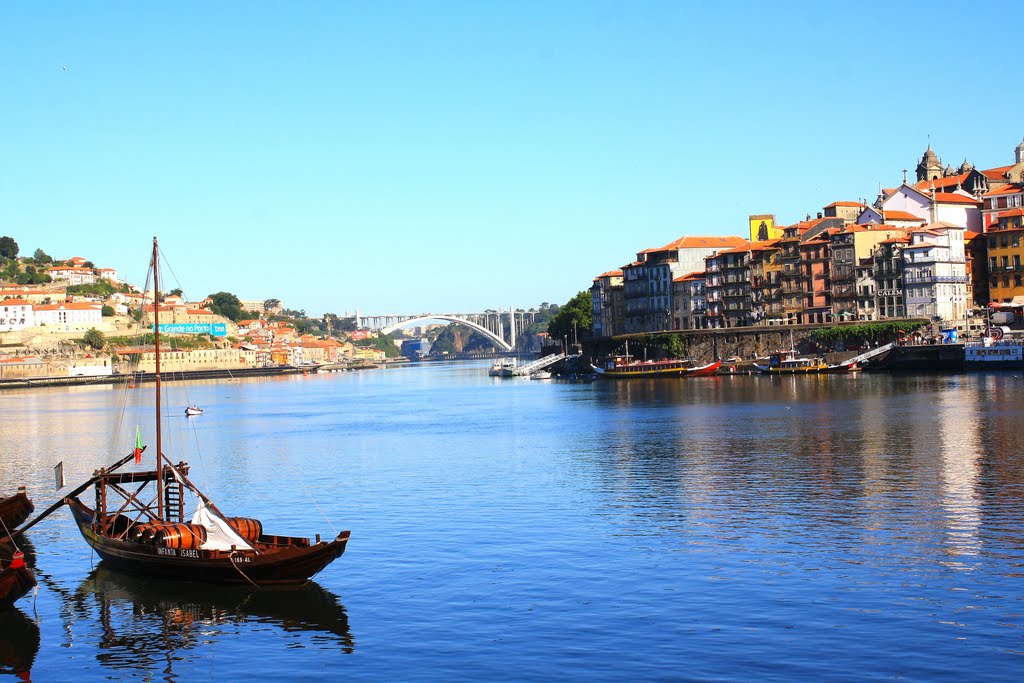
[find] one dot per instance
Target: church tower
(930, 167)
(1018, 153)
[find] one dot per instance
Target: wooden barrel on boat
(179, 535)
(249, 529)
(142, 533)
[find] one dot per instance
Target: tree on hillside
(94, 339)
(573, 320)
(271, 303)
(11, 271)
(32, 277)
(175, 292)
(227, 305)
(41, 257)
(8, 247)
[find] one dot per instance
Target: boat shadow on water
(19, 644)
(144, 620)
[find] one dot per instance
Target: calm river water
(736, 529)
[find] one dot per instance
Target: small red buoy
(18, 560)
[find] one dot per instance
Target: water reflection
(19, 644)
(145, 621)
(891, 464)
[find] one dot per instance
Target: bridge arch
(502, 344)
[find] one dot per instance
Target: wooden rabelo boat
(138, 522)
(788, 363)
(625, 366)
(14, 510)
(16, 579)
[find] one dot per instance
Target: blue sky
(403, 157)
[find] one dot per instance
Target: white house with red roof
(67, 317)
(930, 206)
(74, 275)
(16, 314)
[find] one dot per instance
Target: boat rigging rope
(9, 535)
(239, 569)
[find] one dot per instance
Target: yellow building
(181, 360)
(763, 228)
(1005, 256)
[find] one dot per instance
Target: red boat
(842, 368)
(705, 370)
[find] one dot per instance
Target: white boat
(193, 410)
(997, 350)
(541, 374)
(504, 367)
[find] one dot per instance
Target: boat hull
(806, 370)
(994, 354)
(284, 561)
(14, 510)
(15, 583)
(922, 357)
(648, 371)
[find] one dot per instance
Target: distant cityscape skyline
(407, 158)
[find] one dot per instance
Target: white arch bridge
(498, 326)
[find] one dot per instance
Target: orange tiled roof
(21, 359)
(738, 249)
(997, 173)
(715, 242)
(697, 275)
(853, 204)
(953, 198)
(948, 181)
(1010, 213)
(610, 273)
(15, 302)
(1008, 188)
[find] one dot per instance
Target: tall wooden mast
(156, 345)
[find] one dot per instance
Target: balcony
(954, 279)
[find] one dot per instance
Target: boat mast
(156, 345)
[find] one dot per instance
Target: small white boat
(541, 374)
(193, 410)
(504, 367)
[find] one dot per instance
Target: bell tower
(930, 167)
